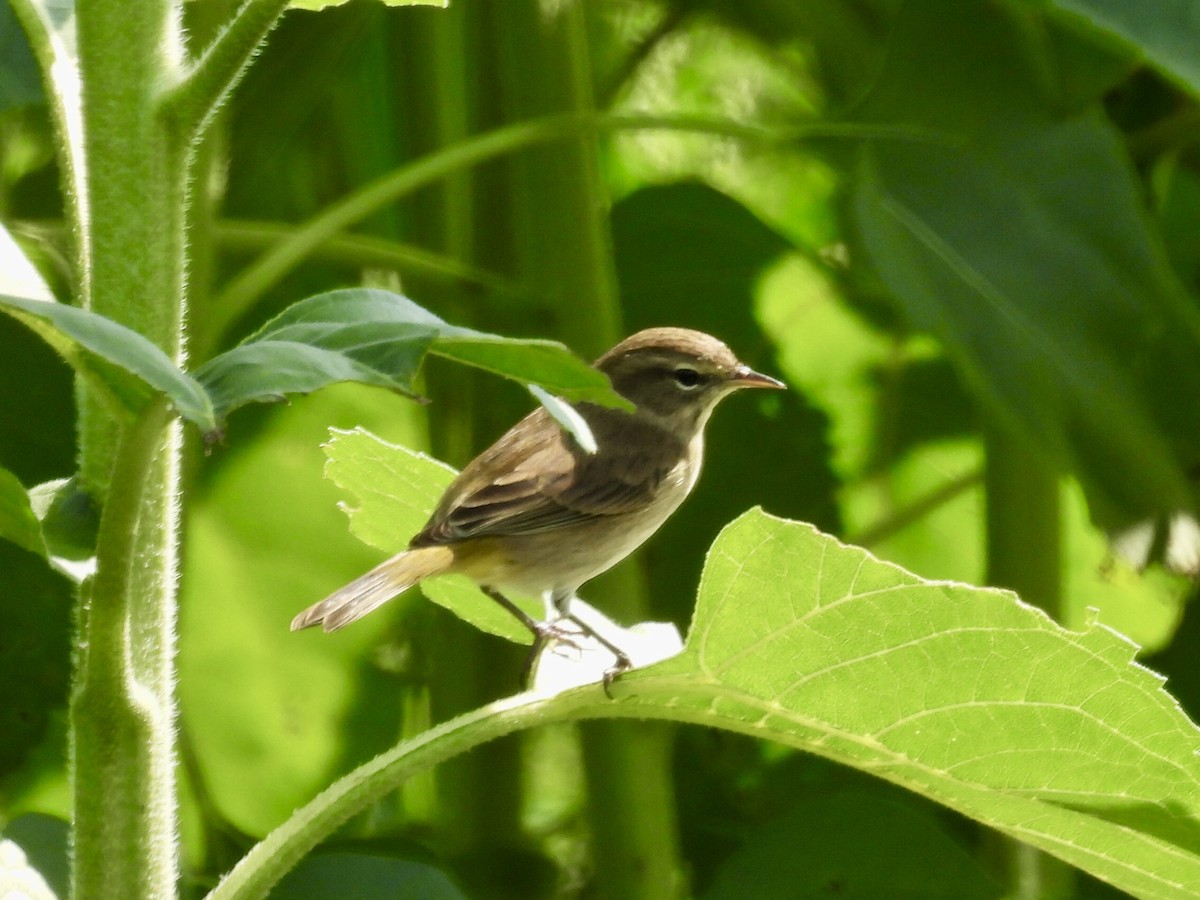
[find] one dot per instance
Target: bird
(538, 514)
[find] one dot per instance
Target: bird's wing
(547, 482)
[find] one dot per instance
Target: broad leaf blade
(123, 365)
(547, 364)
(395, 489)
(963, 694)
(1165, 33)
(1020, 239)
(379, 338)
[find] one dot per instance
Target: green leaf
(324, 876)
(35, 652)
(853, 843)
(1166, 33)
(17, 521)
(1019, 238)
(963, 694)
(306, 705)
(119, 362)
(395, 490)
(380, 338)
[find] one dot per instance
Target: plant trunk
(132, 267)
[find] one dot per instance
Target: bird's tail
(381, 584)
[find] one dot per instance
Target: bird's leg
(543, 632)
(561, 601)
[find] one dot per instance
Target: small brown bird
(537, 514)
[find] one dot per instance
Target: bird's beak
(746, 377)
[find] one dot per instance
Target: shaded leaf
(1018, 237)
(17, 521)
(1165, 33)
(35, 607)
(38, 435)
(324, 876)
(20, 83)
(70, 523)
(853, 844)
(676, 244)
(124, 366)
(380, 338)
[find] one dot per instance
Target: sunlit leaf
(271, 713)
(395, 490)
(963, 694)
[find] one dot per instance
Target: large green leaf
(1017, 235)
(17, 521)
(1166, 32)
(119, 362)
(380, 338)
(965, 695)
(324, 876)
(269, 714)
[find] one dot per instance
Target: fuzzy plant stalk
(130, 99)
(132, 265)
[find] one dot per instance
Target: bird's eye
(687, 378)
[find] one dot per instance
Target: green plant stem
(122, 730)
(191, 101)
(1024, 554)
(631, 809)
(132, 269)
(244, 290)
(363, 251)
(282, 849)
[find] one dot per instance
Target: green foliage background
(966, 233)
